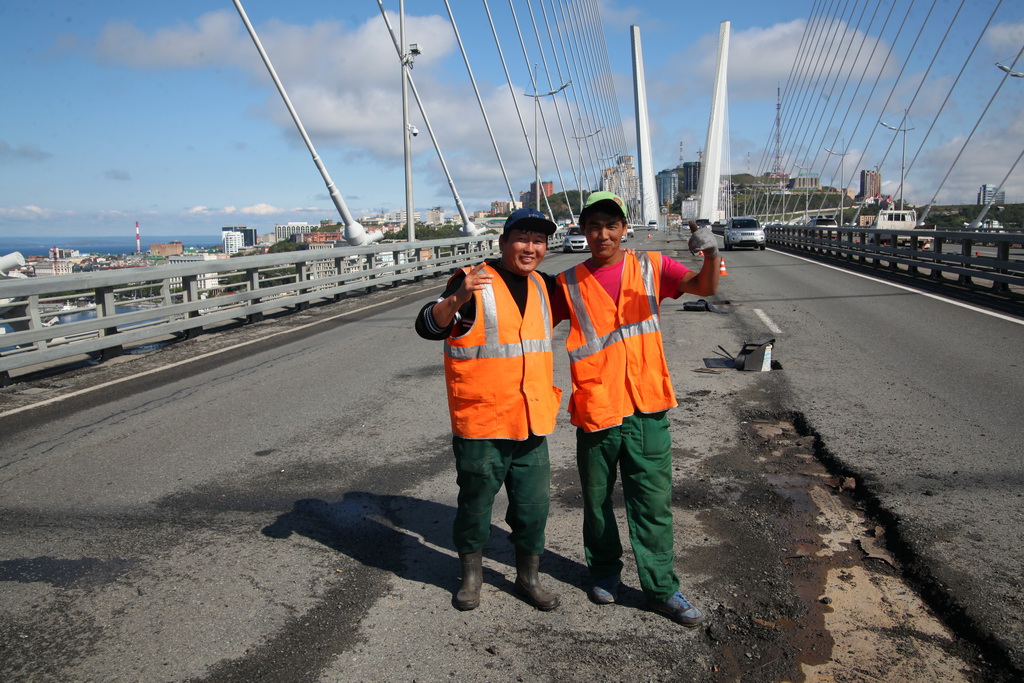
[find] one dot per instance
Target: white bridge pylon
(648, 193)
(711, 166)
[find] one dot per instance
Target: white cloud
(1006, 40)
(260, 210)
(32, 213)
(212, 40)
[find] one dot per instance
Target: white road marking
(57, 399)
(969, 307)
(767, 321)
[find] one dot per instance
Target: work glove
(703, 240)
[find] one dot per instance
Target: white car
(743, 231)
(823, 222)
(574, 240)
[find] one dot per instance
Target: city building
(61, 253)
(285, 232)
(205, 281)
(691, 176)
(53, 267)
(870, 184)
(688, 209)
(170, 249)
(668, 187)
(987, 195)
(435, 216)
(233, 242)
(248, 234)
(623, 180)
(503, 208)
(529, 198)
(398, 216)
(804, 182)
(317, 238)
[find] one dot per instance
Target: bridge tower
(648, 190)
(711, 169)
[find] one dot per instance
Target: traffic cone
(721, 268)
(648, 234)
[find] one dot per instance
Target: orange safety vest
(615, 351)
(499, 372)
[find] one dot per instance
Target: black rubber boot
(528, 582)
(468, 596)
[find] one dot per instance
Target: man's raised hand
(703, 240)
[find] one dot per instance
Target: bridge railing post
(252, 277)
(106, 306)
(1002, 254)
(966, 247)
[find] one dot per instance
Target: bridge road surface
(274, 502)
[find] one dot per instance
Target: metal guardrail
(943, 255)
(100, 313)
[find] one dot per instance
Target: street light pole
(536, 131)
(903, 160)
(842, 191)
(406, 59)
(579, 149)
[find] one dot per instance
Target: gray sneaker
(604, 591)
(678, 609)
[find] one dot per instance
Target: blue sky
(116, 111)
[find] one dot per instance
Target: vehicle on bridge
(574, 240)
(822, 221)
(743, 231)
(898, 220)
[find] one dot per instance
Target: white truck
(901, 220)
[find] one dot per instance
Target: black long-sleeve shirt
(428, 328)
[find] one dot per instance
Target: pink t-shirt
(610, 277)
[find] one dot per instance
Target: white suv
(743, 231)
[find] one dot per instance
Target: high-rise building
(987, 195)
(248, 234)
(668, 187)
(529, 198)
(233, 241)
(870, 184)
(691, 176)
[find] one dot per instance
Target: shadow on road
(408, 537)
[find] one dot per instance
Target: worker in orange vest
(495, 318)
(621, 391)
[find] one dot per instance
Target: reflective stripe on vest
(491, 348)
(593, 343)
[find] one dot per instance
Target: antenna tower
(777, 158)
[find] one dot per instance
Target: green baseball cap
(605, 202)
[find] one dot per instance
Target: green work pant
(642, 449)
(483, 465)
